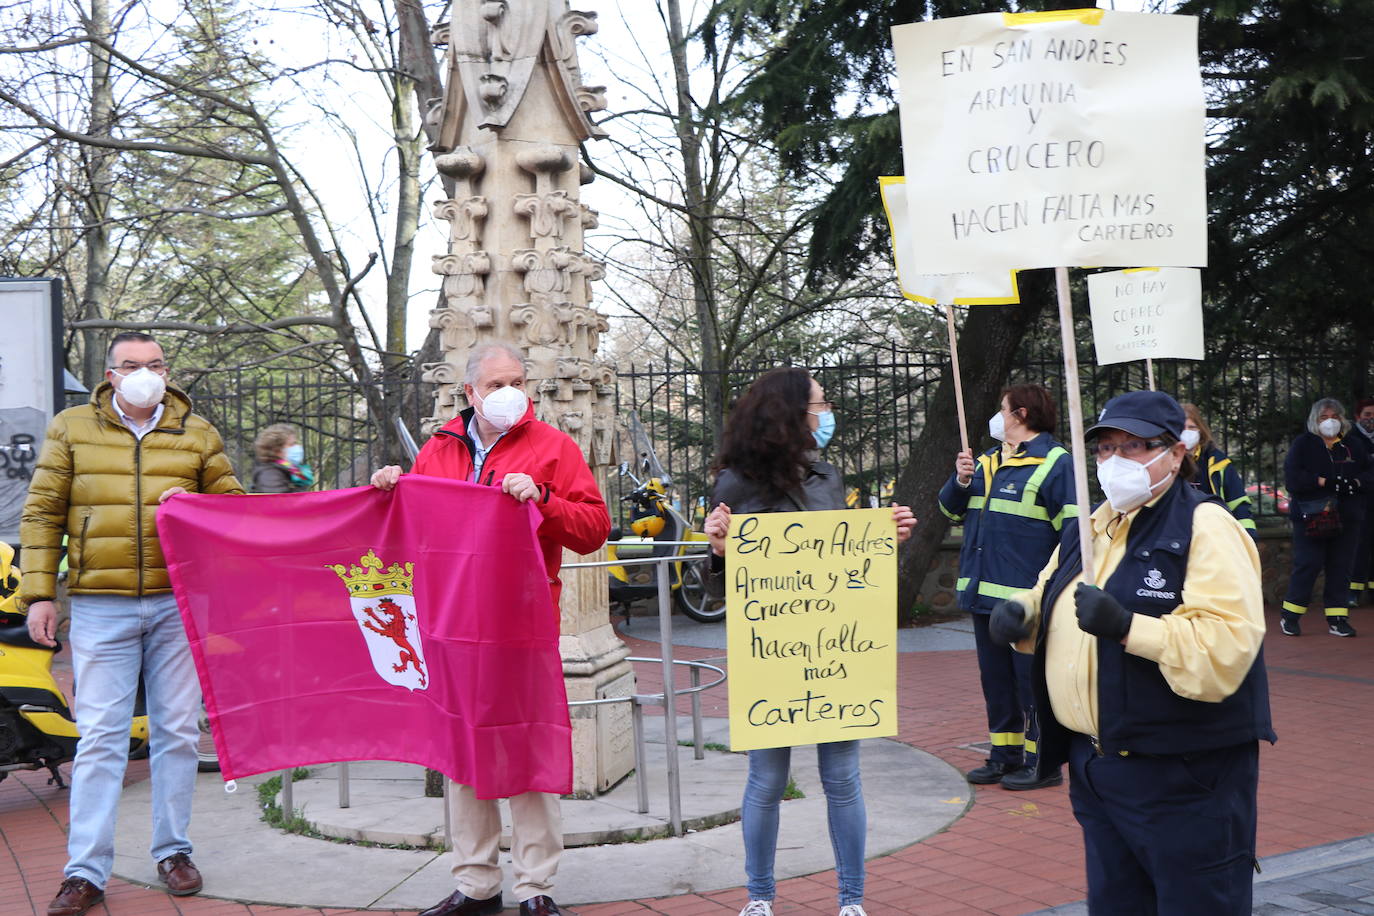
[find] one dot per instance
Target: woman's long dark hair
(766, 435)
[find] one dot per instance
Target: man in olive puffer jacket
(103, 470)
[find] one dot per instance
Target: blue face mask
(294, 453)
(825, 430)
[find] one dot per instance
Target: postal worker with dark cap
(1151, 684)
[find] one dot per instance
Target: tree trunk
(987, 348)
(408, 149)
(99, 164)
(700, 229)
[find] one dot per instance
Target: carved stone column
(513, 114)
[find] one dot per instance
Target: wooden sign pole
(1080, 464)
(958, 381)
(1150, 372)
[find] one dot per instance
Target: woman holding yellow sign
(769, 462)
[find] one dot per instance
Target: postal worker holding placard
(1151, 684)
(1012, 502)
(769, 463)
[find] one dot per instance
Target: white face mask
(503, 408)
(1126, 483)
(997, 427)
(141, 388)
(1190, 438)
(1330, 427)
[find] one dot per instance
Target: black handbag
(1320, 518)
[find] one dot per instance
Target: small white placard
(1146, 313)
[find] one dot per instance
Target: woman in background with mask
(1151, 683)
(1012, 503)
(1215, 473)
(1325, 465)
(769, 462)
(280, 465)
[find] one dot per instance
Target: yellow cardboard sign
(811, 627)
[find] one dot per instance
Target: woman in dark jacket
(1215, 473)
(1327, 465)
(281, 466)
(768, 462)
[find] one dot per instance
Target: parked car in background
(1268, 499)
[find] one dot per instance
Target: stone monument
(513, 113)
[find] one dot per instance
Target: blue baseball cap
(1141, 413)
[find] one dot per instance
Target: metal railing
(637, 701)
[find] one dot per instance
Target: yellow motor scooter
(37, 730)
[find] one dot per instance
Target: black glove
(1008, 622)
(1100, 614)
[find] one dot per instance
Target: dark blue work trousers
(1006, 678)
(1167, 836)
(1314, 556)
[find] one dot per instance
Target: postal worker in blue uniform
(1012, 503)
(1151, 684)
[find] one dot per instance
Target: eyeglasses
(823, 405)
(1130, 448)
(157, 365)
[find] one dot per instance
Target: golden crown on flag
(371, 580)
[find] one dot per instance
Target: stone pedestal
(513, 115)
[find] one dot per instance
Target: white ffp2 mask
(1126, 483)
(141, 388)
(504, 407)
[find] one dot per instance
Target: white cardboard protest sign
(1147, 313)
(1053, 139)
(995, 288)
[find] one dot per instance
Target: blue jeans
(844, 800)
(113, 638)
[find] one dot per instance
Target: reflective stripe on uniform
(1294, 608)
(948, 514)
(1069, 511)
(989, 589)
(993, 590)
(1007, 739)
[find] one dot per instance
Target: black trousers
(1006, 678)
(1167, 836)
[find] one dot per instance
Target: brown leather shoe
(539, 906)
(76, 896)
(460, 904)
(180, 875)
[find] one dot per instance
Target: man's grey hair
(483, 352)
(1315, 416)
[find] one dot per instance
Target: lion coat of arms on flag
(384, 608)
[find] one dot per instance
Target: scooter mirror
(624, 468)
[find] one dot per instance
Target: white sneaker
(852, 909)
(757, 908)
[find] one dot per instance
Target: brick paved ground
(1012, 852)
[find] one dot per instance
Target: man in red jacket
(498, 442)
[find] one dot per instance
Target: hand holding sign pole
(1054, 139)
(947, 290)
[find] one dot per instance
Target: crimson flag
(413, 625)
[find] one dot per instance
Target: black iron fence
(1256, 402)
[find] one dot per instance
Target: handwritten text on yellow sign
(811, 627)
